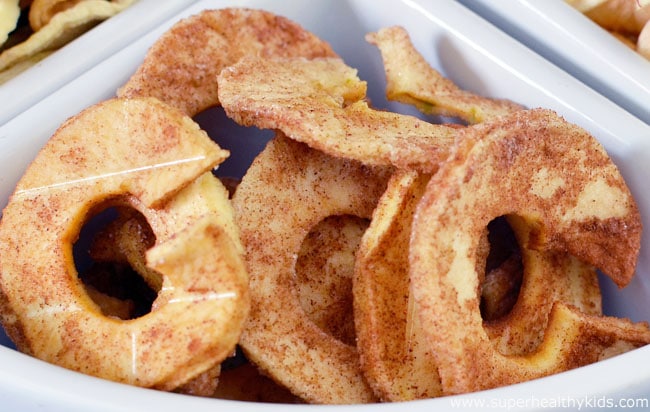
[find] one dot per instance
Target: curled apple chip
(396, 354)
(181, 68)
(126, 240)
(142, 154)
(350, 263)
(621, 16)
(321, 102)
(42, 11)
(624, 19)
(574, 201)
(9, 14)
(289, 189)
(411, 79)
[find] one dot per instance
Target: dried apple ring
(395, 355)
(411, 80)
(622, 16)
(181, 67)
(9, 15)
(288, 190)
(143, 154)
(320, 102)
(127, 239)
(557, 179)
(643, 41)
(42, 11)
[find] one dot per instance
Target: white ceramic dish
(467, 49)
(569, 39)
(67, 63)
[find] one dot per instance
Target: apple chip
(321, 102)
(42, 11)
(143, 154)
(9, 14)
(623, 16)
(286, 192)
(182, 66)
(410, 79)
(21, 66)
(575, 204)
(396, 355)
(624, 19)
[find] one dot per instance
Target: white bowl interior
(569, 39)
(462, 46)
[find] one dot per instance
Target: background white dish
(67, 63)
(464, 47)
(569, 39)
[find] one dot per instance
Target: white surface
(67, 63)
(462, 46)
(569, 39)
